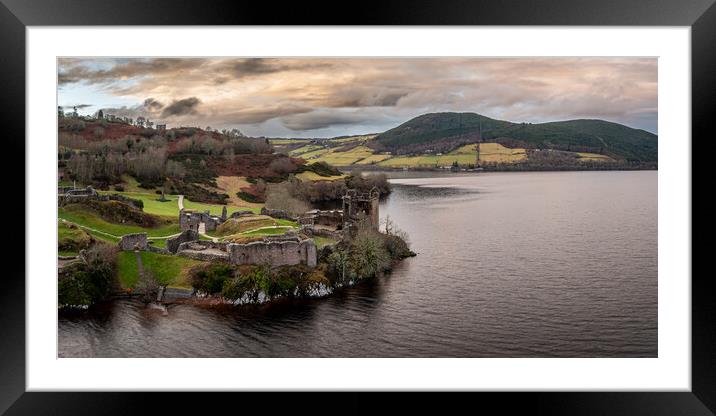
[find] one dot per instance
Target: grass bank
(82, 216)
(168, 270)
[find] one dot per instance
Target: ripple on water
(509, 265)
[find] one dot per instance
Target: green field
(594, 157)
(363, 155)
(167, 269)
(313, 176)
(78, 214)
(464, 156)
(152, 205)
(170, 208)
(216, 209)
(266, 231)
(373, 159)
(71, 239)
(323, 241)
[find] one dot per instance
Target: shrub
(120, 212)
(210, 278)
(279, 196)
(119, 188)
(90, 281)
(282, 166)
(248, 197)
(368, 253)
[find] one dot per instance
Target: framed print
(454, 197)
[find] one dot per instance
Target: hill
(445, 132)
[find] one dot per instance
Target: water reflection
(509, 265)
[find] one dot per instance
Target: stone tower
(355, 204)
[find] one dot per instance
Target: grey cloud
(321, 119)
(152, 105)
(73, 70)
(181, 107)
(312, 93)
(255, 116)
(79, 106)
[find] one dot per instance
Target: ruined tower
(356, 204)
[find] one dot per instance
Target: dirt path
(180, 201)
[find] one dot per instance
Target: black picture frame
(15, 15)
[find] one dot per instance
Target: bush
(210, 278)
(90, 281)
(120, 212)
(119, 188)
(279, 196)
(364, 183)
(320, 168)
(368, 253)
(248, 197)
(282, 166)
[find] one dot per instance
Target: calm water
(509, 265)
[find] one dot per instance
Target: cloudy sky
(321, 97)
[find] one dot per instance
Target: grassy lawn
(231, 185)
(286, 141)
(403, 161)
(71, 239)
(314, 153)
(313, 176)
(170, 208)
(493, 152)
(258, 226)
(594, 157)
(244, 224)
(158, 242)
(152, 205)
(287, 223)
(86, 218)
(323, 241)
(337, 158)
(167, 270)
(266, 231)
(216, 209)
(373, 159)
(304, 149)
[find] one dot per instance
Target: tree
(279, 196)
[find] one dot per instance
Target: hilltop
(447, 131)
(448, 141)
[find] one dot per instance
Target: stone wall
(174, 242)
(277, 213)
(131, 241)
(355, 205)
(319, 231)
(190, 220)
(204, 250)
(237, 214)
(332, 219)
(276, 253)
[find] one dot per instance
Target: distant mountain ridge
(442, 132)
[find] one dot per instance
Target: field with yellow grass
(465, 155)
(312, 176)
(594, 157)
(232, 185)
